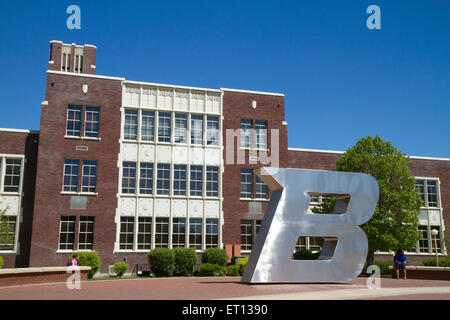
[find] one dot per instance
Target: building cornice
(253, 92)
(85, 75)
(18, 130)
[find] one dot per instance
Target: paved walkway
(227, 288)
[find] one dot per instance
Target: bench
(21, 276)
(423, 272)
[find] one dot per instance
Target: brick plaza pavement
(195, 288)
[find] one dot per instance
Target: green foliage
(233, 270)
(5, 235)
(90, 259)
(395, 221)
(162, 262)
(211, 270)
(242, 264)
(1, 262)
(215, 256)
(431, 262)
(304, 254)
(384, 266)
(120, 268)
(185, 261)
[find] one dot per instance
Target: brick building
(122, 167)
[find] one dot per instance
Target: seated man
(400, 263)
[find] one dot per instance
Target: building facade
(122, 167)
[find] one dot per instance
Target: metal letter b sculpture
(345, 247)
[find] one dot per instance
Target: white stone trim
(85, 75)
(253, 92)
(18, 130)
(171, 86)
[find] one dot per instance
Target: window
(78, 63)
(89, 180)
(86, 233)
(11, 181)
(246, 183)
(179, 180)
(196, 129)
(246, 133)
(146, 179)
(180, 135)
(261, 134)
(126, 233)
(70, 180)
(196, 180)
(246, 234)
(212, 131)
(423, 241)
(257, 226)
(164, 126)
(428, 190)
(163, 180)
(261, 188)
(178, 232)
(65, 62)
(92, 122)
(144, 233)
(11, 233)
(73, 126)
(436, 243)
(212, 233)
(301, 243)
(212, 181)
(432, 193)
(148, 126)
(67, 233)
(131, 125)
(129, 177)
(195, 233)
(162, 233)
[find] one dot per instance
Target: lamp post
(435, 233)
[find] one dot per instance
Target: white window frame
(90, 220)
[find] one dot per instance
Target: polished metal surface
(287, 217)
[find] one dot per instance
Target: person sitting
(400, 263)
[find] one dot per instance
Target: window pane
(70, 181)
(261, 134)
(178, 232)
(261, 188)
(11, 182)
(432, 193)
(246, 234)
(148, 126)
(212, 233)
(180, 128)
(129, 177)
(145, 233)
(9, 233)
(246, 133)
(162, 233)
(195, 233)
(246, 183)
(67, 233)
(212, 181)
(86, 233)
(212, 131)
(89, 181)
(179, 180)
(196, 184)
(130, 125)
(92, 122)
(164, 126)
(163, 180)
(146, 179)
(73, 125)
(126, 233)
(196, 129)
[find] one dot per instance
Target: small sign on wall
(78, 203)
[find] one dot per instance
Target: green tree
(5, 233)
(395, 221)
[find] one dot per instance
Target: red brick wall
(89, 58)
(50, 204)
(237, 106)
(23, 144)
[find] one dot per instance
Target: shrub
(304, 254)
(161, 262)
(431, 262)
(215, 256)
(185, 261)
(384, 266)
(233, 271)
(242, 264)
(120, 268)
(90, 259)
(212, 270)
(1, 262)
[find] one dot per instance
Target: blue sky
(342, 81)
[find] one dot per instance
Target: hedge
(233, 271)
(90, 259)
(212, 270)
(185, 260)
(120, 268)
(1, 262)
(215, 256)
(431, 262)
(162, 262)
